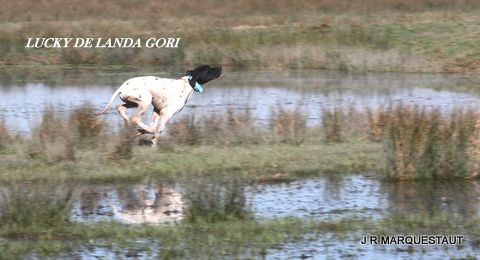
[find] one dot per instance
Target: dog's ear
(208, 73)
(203, 74)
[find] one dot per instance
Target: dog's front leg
(155, 116)
(160, 124)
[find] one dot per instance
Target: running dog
(168, 97)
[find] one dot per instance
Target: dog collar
(198, 88)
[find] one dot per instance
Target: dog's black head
(203, 74)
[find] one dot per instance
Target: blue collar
(198, 88)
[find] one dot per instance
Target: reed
(233, 127)
(288, 126)
(124, 143)
(333, 123)
(87, 129)
(29, 210)
(5, 135)
(215, 199)
(51, 139)
(424, 143)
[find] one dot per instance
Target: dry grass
(71, 10)
(333, 122)
(288, 126)
(5, 135)
(377, 123)
(234, 127)
(88, 130)
(51, 139)
(56, 138)
(59, 137)
(125, 141)
(419, 142)
(424, 143)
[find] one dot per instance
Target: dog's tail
(114, 95)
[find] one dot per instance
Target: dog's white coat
(168, 97)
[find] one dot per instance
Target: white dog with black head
(168, 97)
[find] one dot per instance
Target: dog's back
(163, 92)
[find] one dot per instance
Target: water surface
(326, 198)
(24, 98)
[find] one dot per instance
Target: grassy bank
(252, 238)
(80, 146)
(399, 142)
(413, 36)
(258, 162)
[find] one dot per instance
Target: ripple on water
(327, 197)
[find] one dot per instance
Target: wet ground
(325, 198)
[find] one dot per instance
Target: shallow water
(152, 203)
(323, 198)
(330, 197)
(24, 98)
(331, 246)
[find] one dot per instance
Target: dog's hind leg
(122, 108)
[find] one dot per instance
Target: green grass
(418, 36)
(257, 162)
(248, 238)
(231, 144)
(229, 238)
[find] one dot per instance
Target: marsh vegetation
(216, 159)
(285, 161)
(404, 36)
(419, 142)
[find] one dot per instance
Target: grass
(259, 162)
(401, 141)
(244, 239)
(288, 127)
(423, 143)
(360, 36)
(332, 125)
(215, 167)
(211, 200)
(83, 149)
(31, 209)
(248, 238)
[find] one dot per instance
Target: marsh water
(323, 198)
(330, 197)
(24, 96)
(26, 92)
